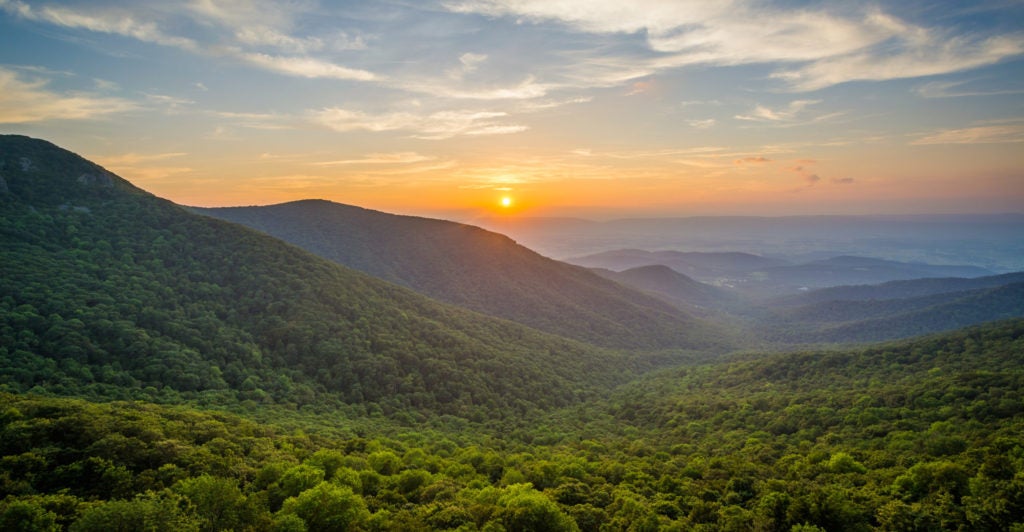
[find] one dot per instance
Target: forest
(163, 370)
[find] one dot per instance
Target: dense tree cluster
(924, 435)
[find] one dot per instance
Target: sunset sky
(596, 109)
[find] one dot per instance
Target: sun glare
(506, 201)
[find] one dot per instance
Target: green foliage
(26, 516)
(890, 318)
(108, 292)
(329, 508)
(919, 435)
(157, 512)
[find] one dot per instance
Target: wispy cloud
(433, 126)
(956, 89)
(144, 167)
(137, 158)
(265, 121)
(790, 112)
(109, 20)
(704, 123)
(928, 56)
(826, 48)
(29, 100)
(253, 23)
(305, 67)
(405, 157)
(981, 134)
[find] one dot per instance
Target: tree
(524, 508)
(328, 507)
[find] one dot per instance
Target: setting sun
(506, 201)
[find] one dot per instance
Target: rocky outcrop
(101, 180)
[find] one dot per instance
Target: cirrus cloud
(29, 100)
(433, 126)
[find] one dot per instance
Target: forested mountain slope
(918, 435)
(479, 270)
(676, 288)
(887, 319)
(924, 434)
(899, 289)
(110, 291)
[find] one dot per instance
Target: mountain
(991, 241)
(479, 270)
(851, 270)
(899, 289)
(706, 266)
(875, 320)
(674, 287)
(768, 277)
(110, 291)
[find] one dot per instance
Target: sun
(506, 201)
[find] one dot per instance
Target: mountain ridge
(478, 269)
(108, 289)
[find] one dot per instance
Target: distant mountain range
(701, 265)
(899, 289)
(762, 276)
(479, 270)
(891, 310)
(994, 242)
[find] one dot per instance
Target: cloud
(702, 123)
(527, 89)
(171, 104)
(254, 25)
(434, 126)
(471, 61)
(23, 101)
(640, 87)
(115, 22)
(306, 67)
(133, 159)
(762, 113)
(984, 134)
(929, 55)
(947, 89)
(752, 160)
(826, 48)
(811, 178)
(136, 166)
(405, 157)
(266, 121)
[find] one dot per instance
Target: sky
(596, 109)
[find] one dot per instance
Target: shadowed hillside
(479, 270)
(109, 290)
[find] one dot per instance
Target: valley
(319, 366)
